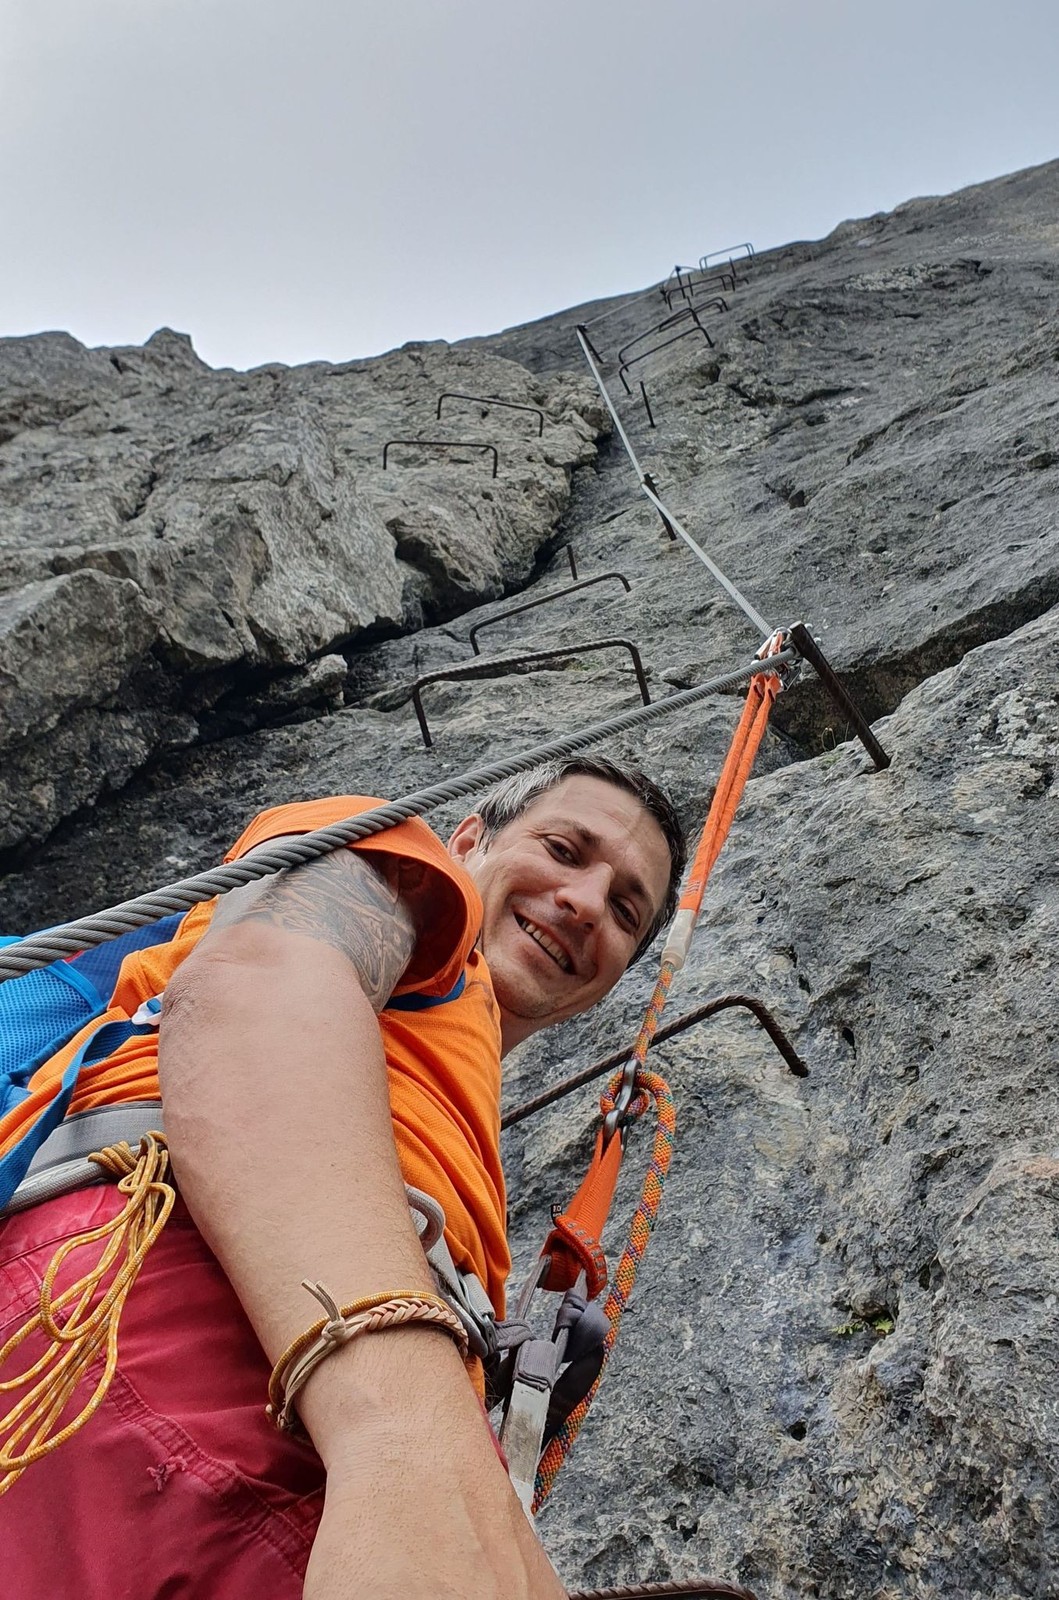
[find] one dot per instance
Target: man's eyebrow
(593, 841)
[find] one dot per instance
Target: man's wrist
(401, 1382)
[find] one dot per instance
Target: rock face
(837, 1378)
(178, 542)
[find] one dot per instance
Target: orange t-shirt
(443, 1060)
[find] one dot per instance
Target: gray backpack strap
(61, 1165)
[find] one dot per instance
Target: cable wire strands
(56, 943)
(698, 1589)
(670, 520)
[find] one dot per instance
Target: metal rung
(541, 600)
(498, 665)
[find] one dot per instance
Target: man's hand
(418, 1504)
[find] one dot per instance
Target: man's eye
(558, 848)
(626, 914)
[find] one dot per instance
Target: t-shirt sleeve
(444, 945)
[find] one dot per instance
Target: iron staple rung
(671, 322)
(728, 252)
(486, 669)
(491, 400)
(728, 284)
(684, 334)
(530, 605)
(690, 1019)
(686, 279)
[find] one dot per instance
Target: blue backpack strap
(101, 964)
(67, 972)
(41, 1011)
(102, 1041)
(423, 1002)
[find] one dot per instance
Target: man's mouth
(546, 942)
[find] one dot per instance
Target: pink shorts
(179, 1486)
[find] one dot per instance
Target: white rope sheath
(41, 948)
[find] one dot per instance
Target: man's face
(569, 890)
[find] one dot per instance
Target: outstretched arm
(274, 1082)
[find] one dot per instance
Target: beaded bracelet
(391, 1309)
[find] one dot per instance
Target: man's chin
(521, 996)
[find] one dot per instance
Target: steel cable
(703, 1589)
(56, 943)
(740, 599)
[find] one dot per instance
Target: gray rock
(838, 1372)
(870, 441)
(250, 526)
(100, 628)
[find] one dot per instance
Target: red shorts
(178, 1486)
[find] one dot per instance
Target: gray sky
(326, 178)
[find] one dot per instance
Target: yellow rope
(29, 1430)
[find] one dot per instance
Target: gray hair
(509, 799)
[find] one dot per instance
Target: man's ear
(466, 838)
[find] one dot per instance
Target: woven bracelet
(373, 1314)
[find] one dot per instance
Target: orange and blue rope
(649, 1086)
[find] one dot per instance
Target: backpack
(41, 1011)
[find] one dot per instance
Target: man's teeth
(556, 951)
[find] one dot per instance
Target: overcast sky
(329, 178)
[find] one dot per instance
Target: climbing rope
(573, 1247)
(76, 1336)
(650, 1086)
(57, 943)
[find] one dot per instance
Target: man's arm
(277, 1113)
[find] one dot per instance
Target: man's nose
(583, 896)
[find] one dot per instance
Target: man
(291, 1150)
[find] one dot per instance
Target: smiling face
(569, 889)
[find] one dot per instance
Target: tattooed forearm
(345, 901)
